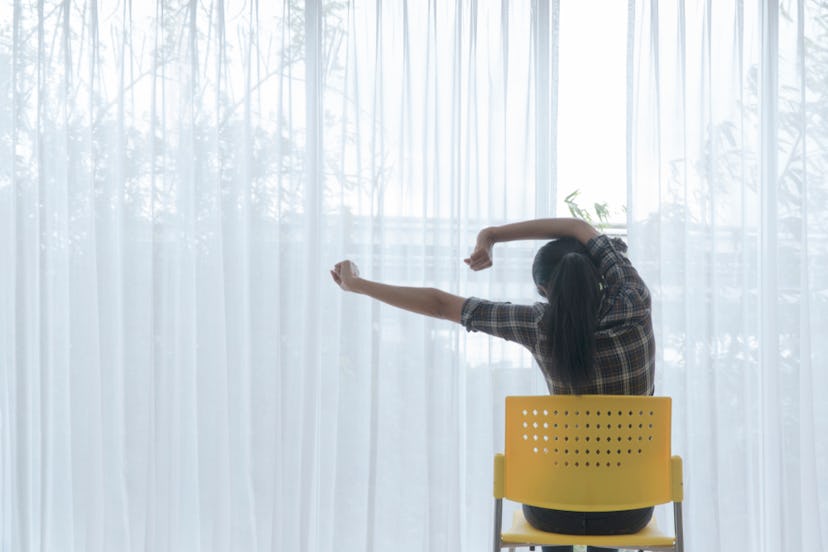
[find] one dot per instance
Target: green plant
(601, 210)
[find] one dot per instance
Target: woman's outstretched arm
(538, 229)
(428, 301)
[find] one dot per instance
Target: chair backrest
(588, 452)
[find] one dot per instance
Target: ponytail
(574, 297)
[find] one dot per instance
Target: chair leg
(677, 521)
(498, 524)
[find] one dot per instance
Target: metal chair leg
(498, 524)
(677, 521)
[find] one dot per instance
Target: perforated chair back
(588, 452)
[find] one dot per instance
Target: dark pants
(623, 522)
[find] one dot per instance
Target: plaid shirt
(624, 345)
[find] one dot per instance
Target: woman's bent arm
(541, 229)
(538, 229)
(427, 301)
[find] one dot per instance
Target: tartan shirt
(624, 361)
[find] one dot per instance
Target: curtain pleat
(726, 176)
(177, 369)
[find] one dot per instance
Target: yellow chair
(588, 453)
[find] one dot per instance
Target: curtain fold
(177, 369)
(727, 172)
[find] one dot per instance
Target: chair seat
(522, 533)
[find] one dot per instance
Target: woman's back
(624, 346)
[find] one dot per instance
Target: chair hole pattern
(587, 439)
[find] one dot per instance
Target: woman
(593, 335)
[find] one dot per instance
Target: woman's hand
(345, 274)
(481, 257)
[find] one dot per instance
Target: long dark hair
(571, 283)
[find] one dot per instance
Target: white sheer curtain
(177, 372)
(728, 180)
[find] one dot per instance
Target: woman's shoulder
(603, 246)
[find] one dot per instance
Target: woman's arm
(428, 301)
(548, 228)
(537, 229)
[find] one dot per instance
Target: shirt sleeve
(517, 323)
(626, 296)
